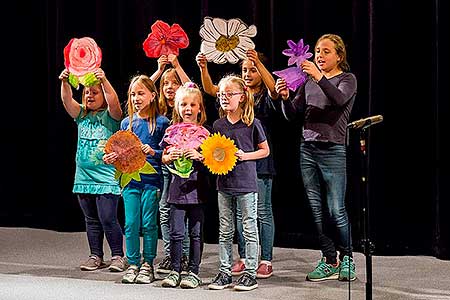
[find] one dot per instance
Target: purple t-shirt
(242, 179)
(326, 107)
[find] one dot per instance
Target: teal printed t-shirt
(92, 175)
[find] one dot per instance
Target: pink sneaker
(264, 270)
(238, 268)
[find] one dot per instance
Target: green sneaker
(172, 280)
(191, 281)
(323, 271)
(347, 269)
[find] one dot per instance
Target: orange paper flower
(219, 153)
(128, 148)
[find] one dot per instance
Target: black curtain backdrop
(397, 49)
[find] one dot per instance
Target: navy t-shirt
(242, 179)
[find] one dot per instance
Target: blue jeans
(141, 213)
(324, 173)
(100, 215)
(164, 212)
(248, 206)
(266, 224)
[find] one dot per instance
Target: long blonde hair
(248, 112)
(152, 110)
(189, 88)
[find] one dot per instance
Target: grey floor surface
(40, 264)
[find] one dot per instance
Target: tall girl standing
(141, 197)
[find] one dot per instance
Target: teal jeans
(141, 212)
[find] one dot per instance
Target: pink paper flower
(165, 39)
(82, 56)
(185, 135)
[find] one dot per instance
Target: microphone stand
(367, 245)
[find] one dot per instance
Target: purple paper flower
(297, 52)
(293, 76)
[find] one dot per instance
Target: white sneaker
(131, 274)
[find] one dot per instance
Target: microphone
(366, 122)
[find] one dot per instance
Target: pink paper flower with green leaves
(184, 136)
(82, 57)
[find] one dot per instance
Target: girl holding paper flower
(171, 79)
(324, 102)
(239, 186)
(98, 193)
(261, 85)
(188, 189)
(141, 197)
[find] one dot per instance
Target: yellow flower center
(225, 44)
(219, 154)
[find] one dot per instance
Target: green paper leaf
(89, 79)
(117, 174)
(125, 179)
(73, 81)
(136, 176)
(183, 164)
(147, 169)
(182, 175)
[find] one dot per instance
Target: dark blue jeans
(324, 173)
(195, 217)
(100, 214)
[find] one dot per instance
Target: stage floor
(42, 264)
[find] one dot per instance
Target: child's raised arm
(110, 95)
(71, 105)
(207, 83)
(173, 59)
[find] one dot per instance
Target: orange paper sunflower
(219, 153)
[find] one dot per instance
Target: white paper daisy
(226, 40)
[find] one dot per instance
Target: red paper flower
(82, 56)
(165, 39)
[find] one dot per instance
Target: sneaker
(94, 262)
(191, 281)
(172, 280)
(145, 274)
(347, 269)
(323, 271)
(118, 264)
(184, 265)
(238, 268)
(165, 266)
(264, 270)
(246, 283)
(131, 274)
(221, 281)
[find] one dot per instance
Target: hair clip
(190, 84)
